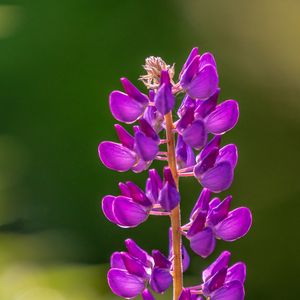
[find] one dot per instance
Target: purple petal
(214, 203)
(195, 135)
(186, 119)
(169, 197)
(230, 291)
(125, 138)
(206, 163)
(190, 72)
(133, 92)
(137, 194)
(129, 213)
(164, 99)
(146, 128)
(236, 225)
(133, 266)
(214, 143)
(202, 202)
(185, 259)
(107, 208)
(185, 295)
(160, 260)
(116, 157)
(153, 185)
(185, 156)
(221, 262)
(192, 55)
(228, 153)
(124, 108)
(116, 261)
(124, 284)
(161, 280)
(154, 118)
(198, 224)
(124, 190)
(218, 178)
(203, 243)
(146, 147)
(207, 59)
(215, 282)
(168, 177)
(140, 166)
(206, 106)
(223, 118)
(146, 295)
(135, 251)
(218, 213)
(186, 104)
(236, 272)
(204, 84)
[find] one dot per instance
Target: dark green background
(60, 59)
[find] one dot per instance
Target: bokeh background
(59, 60)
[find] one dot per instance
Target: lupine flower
(220, 282)
(131, 272)
(129, 106)
(134, 205)
(213, 220)
(199, 77)
(187, 295)
(134, 152)
(199, 118)
(185, 156)
(215, 167)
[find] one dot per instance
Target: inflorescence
(193, 149)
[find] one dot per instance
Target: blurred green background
(60, 59)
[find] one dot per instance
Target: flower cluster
(193, 150)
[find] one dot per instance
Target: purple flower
(134, 205)
(131, 272)
(220, 282)
(164, 99)
(129, 106)
(199, 77)
(199, 118)
(215, 167)
(135, 153)
(213, 220)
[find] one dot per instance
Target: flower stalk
(175, 214)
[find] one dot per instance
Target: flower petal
(185, 259)
(228, 153)
(223, 118)
(134, 266)
(190, 72)
(221, 262)
(214, 282)
(129, 213)
(198, 224)
(137, 252)
(116, 157)
(107, 208)
(185, 156)
(230, 291)
(204, 107)
(218, 213)
(236, 224)
(146, 147)
(160, 260)
(125, 138)
(169, 197)
(207, 59)
(133, 92)
(137, 194)
(164, 99)
(124, 284)
(190, 58)
(146, 295)
(218, 178)
(204, 84)
(202, 202)
(116, 261)
(161, 280)
(236, 272)
(195, 135)
(203, 243)
(214, 143)
(124, 108)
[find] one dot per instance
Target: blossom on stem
(199, 118)
(213, 220)
(134, 152)
(132, 271)
(199, 77)
(134, 205)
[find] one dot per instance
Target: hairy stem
(175, 214)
